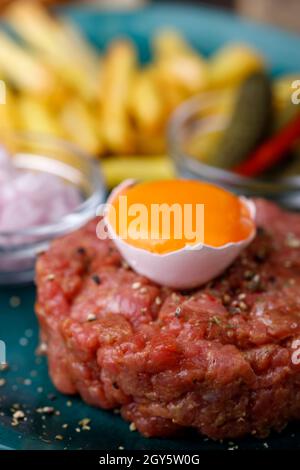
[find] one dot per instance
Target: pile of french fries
(109, 105)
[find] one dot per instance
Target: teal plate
(206, 28)
(26, 383)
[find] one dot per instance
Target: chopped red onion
(29, 198)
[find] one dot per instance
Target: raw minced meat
(217, 359)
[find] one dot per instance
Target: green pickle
(249, 123)
(284, 116)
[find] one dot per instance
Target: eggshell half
(186, 268)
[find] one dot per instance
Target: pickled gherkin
(249, 122)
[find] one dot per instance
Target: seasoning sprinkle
(136, 285)
(59, 437)
(216, 320)
(96, 279)
(248, 275)
(226, 299)
(47, 410)
(292, 241)
(143, 290)
(243, 306)
(178, 312)
(261, 255)
(84, 422)
(19, 414)
(234, 310)
(132, 427)
(42, 349)
(229, 326)
(255, 284)
(91, 317)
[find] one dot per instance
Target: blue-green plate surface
(26, 381)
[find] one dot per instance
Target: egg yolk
(225, 217)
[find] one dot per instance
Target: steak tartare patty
(220, 359)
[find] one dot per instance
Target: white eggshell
(186, 268)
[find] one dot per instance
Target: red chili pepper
(271, 151)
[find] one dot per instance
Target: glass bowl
(197, 116)
(18, 250)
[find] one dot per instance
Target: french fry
(8, 118)
(178, 64)
(59, 44)
(233, 63)
(119, 69)
(108, 106)
(168, 43)
(23, 69)
(81, 127)
(188, 72)
(173, 94)
(34, 116)
(147, 105)
(82, 51)
(118, 168)
(84, 59)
